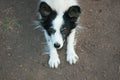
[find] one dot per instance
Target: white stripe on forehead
(60, 5)
(58, 21)
(56, 24)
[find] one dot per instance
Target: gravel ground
(22, 49)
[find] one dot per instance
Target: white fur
(54, 60)
(57, 37)
(60, 6)
(71, 55)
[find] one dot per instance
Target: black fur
(70, 17)
(48, 15)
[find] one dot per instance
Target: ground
(22, 49)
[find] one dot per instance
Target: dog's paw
(72, 57)
(54, 61)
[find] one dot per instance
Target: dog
(59, 19)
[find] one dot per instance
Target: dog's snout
(57, 45)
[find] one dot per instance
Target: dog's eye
(65, 30)
(51, 30)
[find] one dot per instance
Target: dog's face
(58, 24)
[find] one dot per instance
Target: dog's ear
(74, 11)
(44, 9)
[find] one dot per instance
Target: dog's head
(58, 18)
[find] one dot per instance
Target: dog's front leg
(71, 54)
(54, 60)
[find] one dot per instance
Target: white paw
(54, 61)
(72, 57)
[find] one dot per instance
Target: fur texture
(58, 19)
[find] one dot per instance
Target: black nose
(56, 45)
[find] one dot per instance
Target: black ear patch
(72, 14)
(48, 15)
(74, 11)
(44, 9)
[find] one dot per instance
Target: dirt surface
(22, 49)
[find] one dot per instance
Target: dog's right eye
(51, 30)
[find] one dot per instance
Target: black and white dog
(58, 19)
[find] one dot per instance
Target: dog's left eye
(65, 31)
